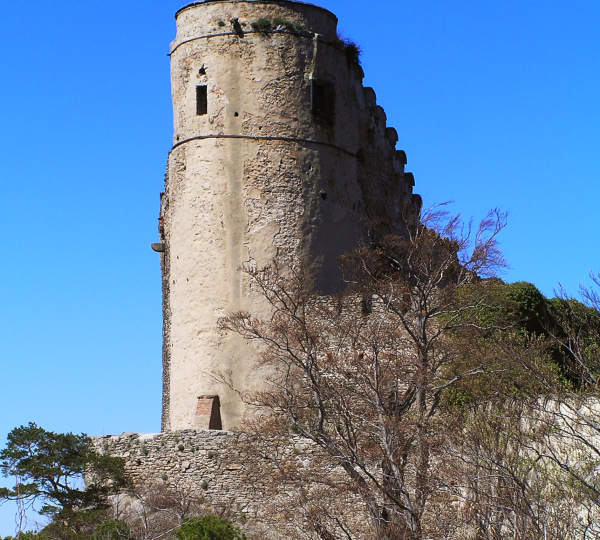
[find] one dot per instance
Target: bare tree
(363, 374)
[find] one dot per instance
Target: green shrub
(262, 25)
(73, 525)
(530, 306)
(29, 535)
(221, 23)
(208, 528)
(280, 22)
(518, 306)
(112, 529)
(352, 52)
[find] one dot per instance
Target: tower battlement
(278, 150)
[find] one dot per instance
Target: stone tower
(278, 150)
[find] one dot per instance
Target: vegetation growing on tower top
(265, 25)
(352, 52)
(262, 24)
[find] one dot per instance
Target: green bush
(530, 306)
(516, 306)
(209, 528)
(352, 52)
(73, 525)
(112, 529)
(262, 25)
(281, 22)
(29, 535)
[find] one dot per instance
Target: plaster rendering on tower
(278, 151)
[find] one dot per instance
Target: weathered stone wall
(221, 466)
(235, 473)
(257, 177)
(206, 462)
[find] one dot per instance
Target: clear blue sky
(495, 103)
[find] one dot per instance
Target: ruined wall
(259, 176)
(228, 471)
(206, 462)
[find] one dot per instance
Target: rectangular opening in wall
(201, 100)
(322, 101)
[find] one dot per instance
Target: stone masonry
(278, 151)
(192, 459)
(228, 469)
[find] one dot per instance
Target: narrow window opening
(323, 195)
(323, 101)
(201, 100)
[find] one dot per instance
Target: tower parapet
(278, 150)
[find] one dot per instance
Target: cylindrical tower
(277, 150)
